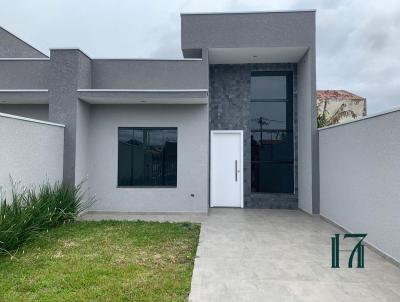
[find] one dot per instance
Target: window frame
(289, 97)
(142, 186)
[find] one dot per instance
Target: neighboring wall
(358, 107)
(31, 151)
(360, 178)
(192, 124)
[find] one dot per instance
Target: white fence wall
(31, 152)
(360, 178)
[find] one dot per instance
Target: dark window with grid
(271, 123)
(147, 157)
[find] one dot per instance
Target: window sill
(146, 187)
(270, 193)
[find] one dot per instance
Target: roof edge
(147, 59)
(23, 41)
(71, 48)
(142, 90)
(393, 110)
(26, 119)
(250, 12)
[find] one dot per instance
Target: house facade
(341, 105)
(232, 124)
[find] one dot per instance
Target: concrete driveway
(282, 255)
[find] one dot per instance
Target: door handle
(236, 171)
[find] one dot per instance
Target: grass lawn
(103, 261)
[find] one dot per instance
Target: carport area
(283, 255)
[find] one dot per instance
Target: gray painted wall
(24, 74)
(308, 178)
(39, 112)
(82, 143)
(70, 70)
(31, 152)
(230, 110)
(360, 176)
(13, 47)
(192, 123)
(269, 29)
(149, 74)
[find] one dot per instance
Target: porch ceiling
(135, 96)
(256, 55)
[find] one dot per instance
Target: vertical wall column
(70, 69)
(308, 136)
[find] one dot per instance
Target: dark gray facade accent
(24, 74)
(13, 47)
(230, 110)
(70, 70)
(236, 30)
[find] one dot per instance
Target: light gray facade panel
(24, 74)
(82, 143)
(149, 74)
(248, 30)
(192, 124)
(308, 148)
(230, 110)
(13, 47)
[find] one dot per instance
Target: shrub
(31, 212)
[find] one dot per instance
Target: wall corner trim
(16, 117)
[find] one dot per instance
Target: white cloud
(358, 42)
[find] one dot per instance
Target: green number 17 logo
(358, 248)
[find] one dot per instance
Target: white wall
(360, 178)
(192, 178)
(31, 151)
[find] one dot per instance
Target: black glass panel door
(271, 123)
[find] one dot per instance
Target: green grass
(103, 261)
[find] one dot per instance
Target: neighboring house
(230, 125)
(342, 105)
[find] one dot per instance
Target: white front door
(226, 177)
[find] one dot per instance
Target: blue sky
(358, 45)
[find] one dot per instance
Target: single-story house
(232, 124)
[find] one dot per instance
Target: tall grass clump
(33, 211)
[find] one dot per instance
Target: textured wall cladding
(149, 74)
(13, 47)
(26, 74)
(230, 110)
